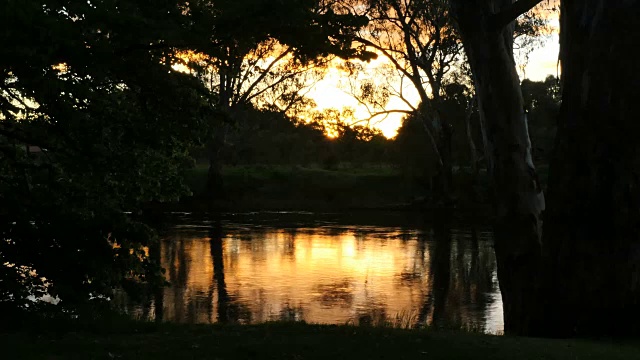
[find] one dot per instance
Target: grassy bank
(291, 341)
(280, 187)
(296, 187)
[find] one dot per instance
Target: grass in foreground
(291, 341)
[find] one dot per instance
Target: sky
(333, 91)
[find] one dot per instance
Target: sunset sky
(333, 90)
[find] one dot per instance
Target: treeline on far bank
(274, 161)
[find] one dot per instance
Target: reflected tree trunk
(517, 195)
(441, 272)
(439, 252)
(158, 292)
(178, 275)
(592, 237)
(218, 273)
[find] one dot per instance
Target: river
(367, 269)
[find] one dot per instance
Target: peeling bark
(584, 279)
(517, 196)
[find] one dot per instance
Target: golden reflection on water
(332, 276)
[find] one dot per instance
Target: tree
(422, 44)
(591, 237)
(588, 261)
(258, 52)
(487, 28)
(93, 124)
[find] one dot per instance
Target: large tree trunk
(592, 227)
(517, 195)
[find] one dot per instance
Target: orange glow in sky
(334, 90)
(331, 92)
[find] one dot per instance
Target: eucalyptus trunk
(517, 196)
(592, 227)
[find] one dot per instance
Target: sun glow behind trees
(333, 91)
(271, 79)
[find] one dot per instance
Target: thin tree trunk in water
(517, 196)
(592, 233)
(218, 273)
(441, 272)
(158, 291)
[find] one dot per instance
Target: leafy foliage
(93, 124)
(272, 138)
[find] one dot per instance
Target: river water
(367, 269)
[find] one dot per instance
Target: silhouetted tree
(258, 49)
(591, 234)
(487, 28)
(588, 260)
(93, 124)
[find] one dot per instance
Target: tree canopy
(93, 124)
(96, 123)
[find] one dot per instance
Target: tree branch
(247, 94)
(511, 12)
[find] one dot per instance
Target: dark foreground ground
(292, 341)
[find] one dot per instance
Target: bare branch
(386, 53)
(384, 114)
(265, 72)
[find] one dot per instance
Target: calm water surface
(324, 268)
